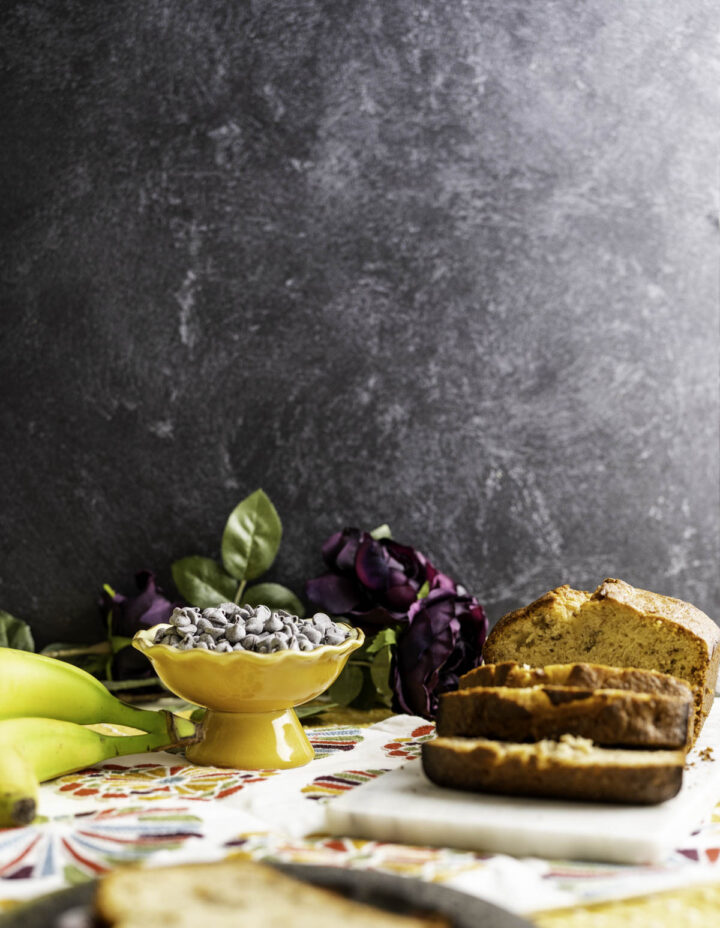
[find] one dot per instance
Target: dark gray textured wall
(453, 266)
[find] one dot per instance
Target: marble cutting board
(404, 806)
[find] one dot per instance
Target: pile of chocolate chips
(229, 627)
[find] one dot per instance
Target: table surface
(159, 809)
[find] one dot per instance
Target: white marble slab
(404, 806)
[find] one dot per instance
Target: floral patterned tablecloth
(159, 809)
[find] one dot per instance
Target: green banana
(33, 750)
(18, 789)
(35, 685)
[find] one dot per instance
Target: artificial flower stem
(102, 647)
(240, 590)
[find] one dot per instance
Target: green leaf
(14, 633)
(382, 531)
(313, 708)
(347, 686)
(251, 538)
(385, 638)
(202, 582)
(424, 590)
(117, 642)
(367, 698)
(380, 673)
(275, 596)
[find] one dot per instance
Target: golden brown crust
(659, 632)
(590, 676)
(528, 770)
(558, 603)
(662, 607)
(608, 717)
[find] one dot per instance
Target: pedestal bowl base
(252, 741)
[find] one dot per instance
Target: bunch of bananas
(45, 705)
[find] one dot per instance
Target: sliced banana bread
(619, 626)
(571, 768)
(229, 893)
(609, 717)
(587, 676)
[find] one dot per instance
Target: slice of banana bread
(571, 768)
(619, 626)
(609, 717)
(229, 893)
(587, 676)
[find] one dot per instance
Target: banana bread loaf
(571, 768)
(618, 626)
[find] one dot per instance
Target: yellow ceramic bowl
(250, 723)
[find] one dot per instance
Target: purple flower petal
(442, 582)
(411, 563)
(443, 639)
(371, 565)
(128, 614)
(345, 560)
(401, 596)
(335, 594)
(331, 547)
(373, 620)
(339, 550)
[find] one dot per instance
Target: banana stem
(148, 720)
(118, 745)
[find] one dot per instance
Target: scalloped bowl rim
(146, 647)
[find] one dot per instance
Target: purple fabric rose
(373, 582)
(443, 640)
(128, 614)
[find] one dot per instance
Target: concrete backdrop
(451, 266)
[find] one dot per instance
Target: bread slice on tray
(570, 768)
(587, 676)
(229, 893)
(609, 717)
(618, 626)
